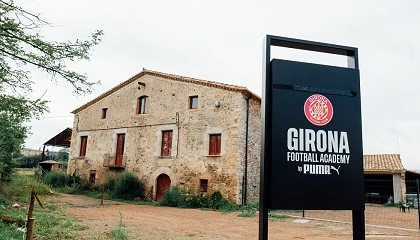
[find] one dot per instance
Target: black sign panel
(316, 137)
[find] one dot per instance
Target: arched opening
(163, 182)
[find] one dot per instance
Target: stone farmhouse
(170, 130)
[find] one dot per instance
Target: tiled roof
(172, 77)
(383, 163)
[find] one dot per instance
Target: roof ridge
(167, 76)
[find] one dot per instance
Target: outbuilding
(384, 178)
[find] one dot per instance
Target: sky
(223, 41)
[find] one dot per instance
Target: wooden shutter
(166, 143)
(120, 149)
(83, 144)
(215, 144)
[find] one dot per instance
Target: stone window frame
(115, 140)
(92, 176)
(79, 144)
(191, 102)
(158, 141)
(206, 141)
(143, 107)
(218, 144)
(203, 185)
(104, 113)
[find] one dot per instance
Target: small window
(193, 102)
(142, 104)
(166, 143)
(92, 176)
(204, 185)
(104, 110)
(215, 144)
(83, 144)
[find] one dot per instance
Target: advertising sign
(311, 136)
(316, 137)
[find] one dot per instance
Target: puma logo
(336, 169)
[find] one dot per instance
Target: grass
(119, 233)
(248, 211)
(51, 222)
(277, 217)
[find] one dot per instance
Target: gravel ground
(150, 222)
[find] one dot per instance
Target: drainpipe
(177, 143)
(245, 178)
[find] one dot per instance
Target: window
(92, 176)
(142, 104)
(203, 185)
(104, 110)
(193, 102)
(119, 154)
(215, 144)
(166, 143)
(83, 144)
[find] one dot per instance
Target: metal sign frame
(267, 114)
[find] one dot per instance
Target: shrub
(55, 179)
(216, 200)
(192, 201)
(173, 197)
(127, 187)
(73, 180)
(248, 211)
(204, 201)
(109, 184)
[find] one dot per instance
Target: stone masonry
(222, 109)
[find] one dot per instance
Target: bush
(109, 184)
(173, 197)
(216, 200)
(56, 179)
(18, 189)
(192, 201)
(203, 201)
(128, 187)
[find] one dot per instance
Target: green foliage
(56, 179)
(109, 184)
(192, 201)
(277, 217)
(216, 200)
(27, 161)
(9, 232)
(173, 197)
(230, 207)
(127, 186)
(248, 211)
(22, 44)
(19, 187)
(51, 222)
(119, 233)
(63, 155)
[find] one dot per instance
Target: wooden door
(120, 150)
(163, 183)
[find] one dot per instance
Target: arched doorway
(163, 182)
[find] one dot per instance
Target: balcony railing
(111, 161)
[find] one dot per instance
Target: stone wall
(219, 111)
(254, 151)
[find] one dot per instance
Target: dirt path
(150, 223)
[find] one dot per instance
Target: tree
(22, 45)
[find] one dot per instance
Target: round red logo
(318, 110)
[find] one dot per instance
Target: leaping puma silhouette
(336, 169)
